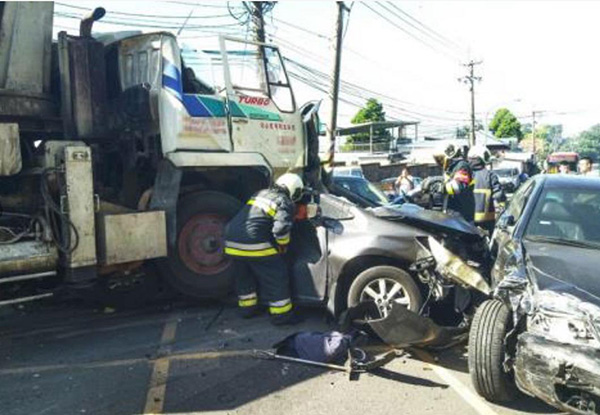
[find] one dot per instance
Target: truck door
(263, 112)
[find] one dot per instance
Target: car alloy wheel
(385, 292)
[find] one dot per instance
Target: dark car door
(502, 240)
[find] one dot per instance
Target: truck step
(25, 299)
(27, 277)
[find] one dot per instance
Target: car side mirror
(332, 225)
(506, 221)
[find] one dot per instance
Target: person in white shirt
(405, 182)
(585, 167)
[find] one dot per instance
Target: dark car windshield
(362, 188)
(568, 216)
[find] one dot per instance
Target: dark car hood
(565, 269)
(428, 219)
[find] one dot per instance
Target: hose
(52, 211)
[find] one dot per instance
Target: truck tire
(196, 265)
(385, 285)
(487, 352)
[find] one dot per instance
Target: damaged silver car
(540, 334)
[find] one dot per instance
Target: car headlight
(565, 319)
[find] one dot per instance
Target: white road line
(160, 372)
(476, 402)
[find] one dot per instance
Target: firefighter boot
(286, 319)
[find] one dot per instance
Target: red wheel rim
(201, 244)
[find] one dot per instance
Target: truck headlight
(565, 319)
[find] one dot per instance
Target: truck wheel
(386, 286)
(197, 265)
(487, 352)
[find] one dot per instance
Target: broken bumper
(565, 376)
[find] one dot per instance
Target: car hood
(432, 220)
(565, 269)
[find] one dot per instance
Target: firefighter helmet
(446, 152)
(292, 183)
(480, 152)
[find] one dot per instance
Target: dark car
(402, 256)
(541, 331)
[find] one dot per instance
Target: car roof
(555, 181)
(357, 178)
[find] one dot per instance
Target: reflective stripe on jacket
(487, 191)
(262, 225)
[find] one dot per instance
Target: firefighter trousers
(265, 277)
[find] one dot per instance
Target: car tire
(372, 277)
(487, 352)
(196, 265)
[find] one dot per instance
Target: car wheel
(487, 352)
(197, 265)
(386, 286)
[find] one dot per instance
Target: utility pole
(470, 80)
(533, 131)
(335, 80)
(258, 21)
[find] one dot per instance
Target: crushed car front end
(558, 356)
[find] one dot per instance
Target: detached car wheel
(197, 266)
(487, 352)
(387, 286)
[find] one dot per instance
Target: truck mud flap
(403, 328)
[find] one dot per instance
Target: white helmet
(479, 151)
(293, 183)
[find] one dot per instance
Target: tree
(505, 124)
(371, 112)
(587, 143)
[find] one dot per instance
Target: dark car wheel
(197, 265)
(386, 286)
(487, 352)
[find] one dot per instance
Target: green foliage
(587, 143)
(505, 124)
(371, 112)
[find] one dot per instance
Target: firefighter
(488, 192)
(458, 180)
(256, 238)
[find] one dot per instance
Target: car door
(503, 243)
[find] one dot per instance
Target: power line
(412, 35)
(141, 15)
(426, 28)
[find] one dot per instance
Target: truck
(118, 161)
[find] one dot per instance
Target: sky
(536, 55)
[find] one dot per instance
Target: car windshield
(364, 189)
(505, 172)
(568, 216)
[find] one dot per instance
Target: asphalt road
(194, 359)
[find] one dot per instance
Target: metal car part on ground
(540, 333)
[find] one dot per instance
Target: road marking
(157, 387)
(478, 403)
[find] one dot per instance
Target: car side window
(335, 208)
(519, 200)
